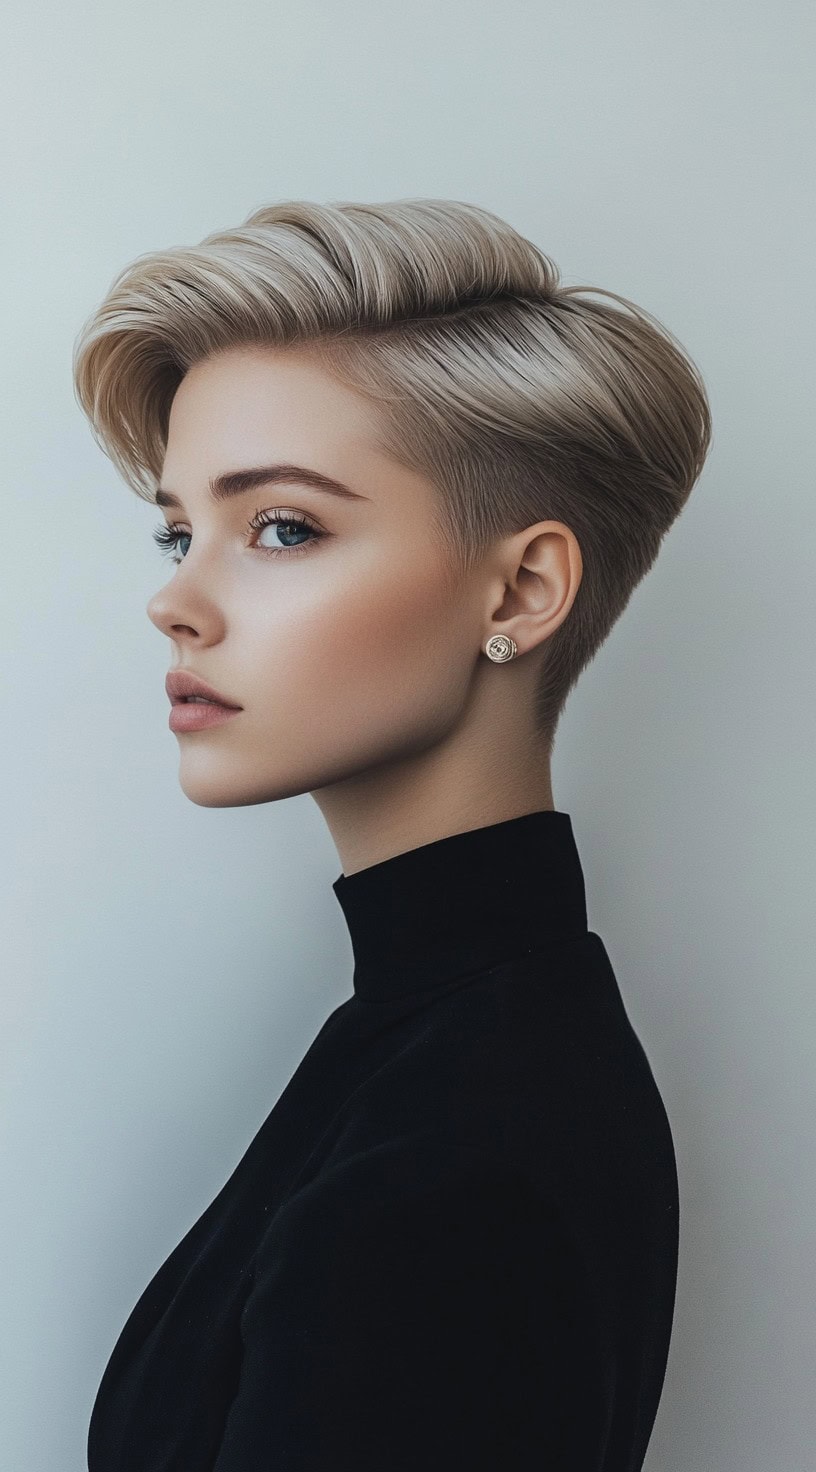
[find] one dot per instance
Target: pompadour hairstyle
(519, 398)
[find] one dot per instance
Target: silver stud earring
(501, 647)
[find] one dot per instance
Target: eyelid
(232, 507)
(283, 511)
(261, 511)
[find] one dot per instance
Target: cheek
(370, 654)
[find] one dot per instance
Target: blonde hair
(520, 399)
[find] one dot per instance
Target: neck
(398, 806)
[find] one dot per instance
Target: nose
(164, 609)
(189, 605)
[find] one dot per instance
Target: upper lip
(180, 683)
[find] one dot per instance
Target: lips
(179, 684)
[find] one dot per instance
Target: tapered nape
(519, 398)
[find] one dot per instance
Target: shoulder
(528, 1045)
(414, 1210)
(532, 1068)
(414, 1171)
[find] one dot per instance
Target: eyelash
(168, 536)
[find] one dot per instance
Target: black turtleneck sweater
(453, 1242)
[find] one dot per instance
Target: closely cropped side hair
(520, 399)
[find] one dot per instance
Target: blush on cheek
(360, 668)
(392, 640)
(370, 655)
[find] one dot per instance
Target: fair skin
(358, 664)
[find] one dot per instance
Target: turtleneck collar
(463, 903)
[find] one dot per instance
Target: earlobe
(500, 648)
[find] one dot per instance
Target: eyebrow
(238, 482)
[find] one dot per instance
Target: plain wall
(165, 965)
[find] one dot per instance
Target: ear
(540, 571)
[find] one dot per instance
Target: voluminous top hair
(519, 398)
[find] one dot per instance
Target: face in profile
(331, 620)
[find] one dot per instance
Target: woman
(410, 482)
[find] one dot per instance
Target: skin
(359, 662)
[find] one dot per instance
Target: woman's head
(518, 451)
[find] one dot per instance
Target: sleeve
(405, 1316)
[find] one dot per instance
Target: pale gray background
(165, 965)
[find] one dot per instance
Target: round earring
(500, 648)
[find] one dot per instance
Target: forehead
(250, 407)
(258, 390)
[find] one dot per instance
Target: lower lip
(192, 716)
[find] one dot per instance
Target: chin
(213, 789)
(218, 779)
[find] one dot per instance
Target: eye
(169, 536)
(290, 521)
